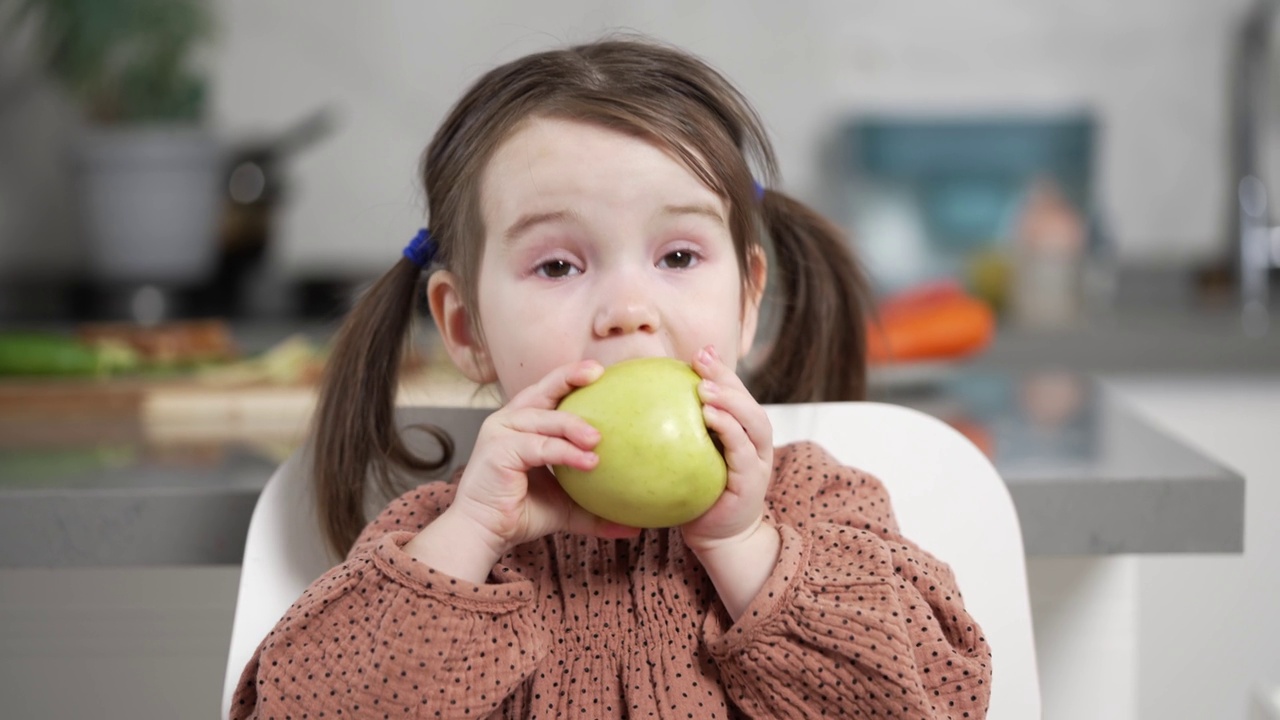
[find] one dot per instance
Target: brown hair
(634, 86)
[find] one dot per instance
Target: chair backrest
(949, 500)
(284, 551)
(947, 496)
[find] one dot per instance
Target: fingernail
(711, 350)
(704, 357)
(709, 388)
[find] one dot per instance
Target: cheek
(715, 318)
(529, 341)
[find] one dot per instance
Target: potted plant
(147, 168)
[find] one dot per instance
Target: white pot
(151, 202)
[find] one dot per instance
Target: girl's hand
(506, 493)
(747, 438)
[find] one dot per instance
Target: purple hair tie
(421, 250)
(759, 190)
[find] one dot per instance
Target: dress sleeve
(384, 634)
(855, 620)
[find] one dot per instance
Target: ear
(454, 321)
(753, 295)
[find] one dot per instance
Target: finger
(722, 388)
(528, 451)
(710, 367)
(708, 364)
(552, 423)
(739, 452)
(551, 389)
(743, 408)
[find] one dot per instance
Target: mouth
(612, 360)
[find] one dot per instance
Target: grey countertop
(1087, 474)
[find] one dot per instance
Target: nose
(626, 309)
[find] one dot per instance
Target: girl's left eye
(678, 260)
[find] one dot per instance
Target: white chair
(284, 551)
(950, 501)
(947, 497)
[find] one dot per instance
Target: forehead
(547, 163)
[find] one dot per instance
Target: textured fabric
(855, 622)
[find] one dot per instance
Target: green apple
(658, 465)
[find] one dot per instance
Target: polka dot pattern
(855, 622)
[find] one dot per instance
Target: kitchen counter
(1143, 340)
(1088, 476)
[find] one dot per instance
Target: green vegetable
(33, 353)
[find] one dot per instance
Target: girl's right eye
(556, 269)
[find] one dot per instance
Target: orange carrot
(941, 328)
(924, 295)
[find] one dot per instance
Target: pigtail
(355, 437)
(819, 351)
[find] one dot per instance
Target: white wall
(1155, 71)
(37, 230)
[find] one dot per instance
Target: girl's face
(601, 246)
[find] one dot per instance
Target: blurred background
(1045, 193)
(920, 128)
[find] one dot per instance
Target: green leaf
(124, 60)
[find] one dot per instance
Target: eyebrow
(527, 222)
(695, 209)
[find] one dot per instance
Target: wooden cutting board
(187, 408)
(81, 397)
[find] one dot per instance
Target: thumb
(582, 522)
(569, 516)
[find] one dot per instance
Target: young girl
(588, 206)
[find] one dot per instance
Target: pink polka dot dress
(855, 621)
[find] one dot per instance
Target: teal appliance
(924, 195)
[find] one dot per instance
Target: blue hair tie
(421, 250)
(759, 190)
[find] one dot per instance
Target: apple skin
(659, 466)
